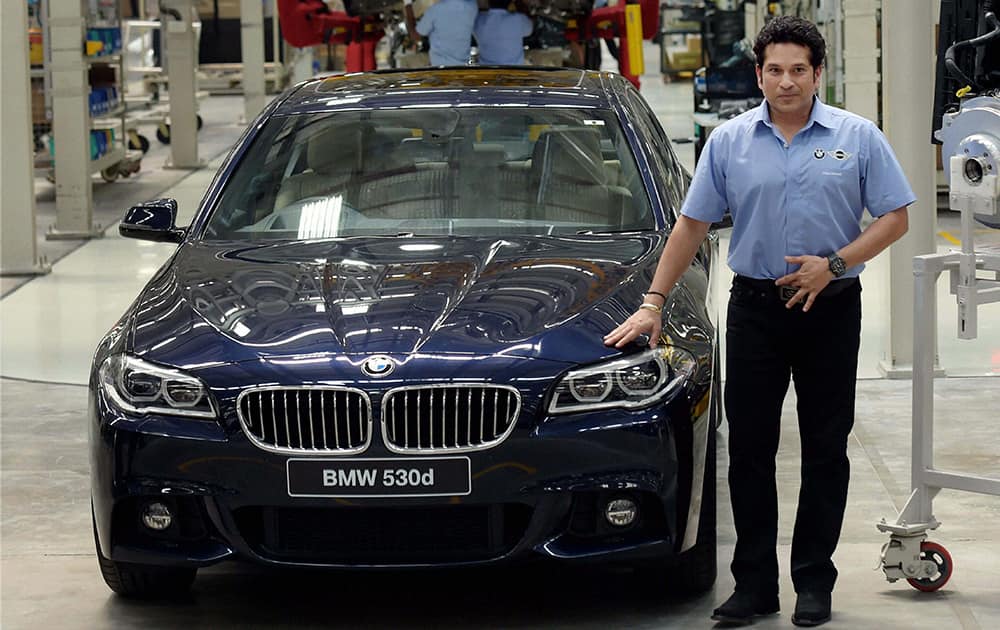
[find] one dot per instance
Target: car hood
(540, 297)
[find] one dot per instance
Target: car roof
(481, 85)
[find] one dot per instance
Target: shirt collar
(820, 114)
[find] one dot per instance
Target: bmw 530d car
(379, 343)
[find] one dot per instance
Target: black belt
(767, 288)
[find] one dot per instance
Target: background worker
(500, 33)
(796, 176)
(448, 24)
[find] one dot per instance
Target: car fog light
(156, 516)
(621, 512)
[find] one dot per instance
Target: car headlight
(142, 387)
(638, 380)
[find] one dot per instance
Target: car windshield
(434, 171)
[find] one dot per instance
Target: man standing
(448, 24)
(500, 33)
(796, 175)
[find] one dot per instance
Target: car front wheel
(693, 571)
(143, 581)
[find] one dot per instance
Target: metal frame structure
(908, 555)
(67, 90)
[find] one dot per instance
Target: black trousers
(767, 345)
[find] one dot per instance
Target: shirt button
(786, 145)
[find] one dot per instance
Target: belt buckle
(787, 292)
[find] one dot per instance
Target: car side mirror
(152, 221)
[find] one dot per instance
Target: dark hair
(788, 29)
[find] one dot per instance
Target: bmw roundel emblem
(378, 365)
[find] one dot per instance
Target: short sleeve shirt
(804, 197)
(449, 25)
(500, 35)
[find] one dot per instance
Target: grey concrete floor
(49, 576)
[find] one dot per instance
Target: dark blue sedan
(379, 343)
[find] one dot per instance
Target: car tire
(695, 570)
(143, 581)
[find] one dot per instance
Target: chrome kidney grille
(434, 418)
(317, 419)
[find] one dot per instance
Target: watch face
(837, 266)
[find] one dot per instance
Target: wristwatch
(837, 265)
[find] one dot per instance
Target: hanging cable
(976, 42)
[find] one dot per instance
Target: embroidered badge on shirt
(819, 154)
(840, 154)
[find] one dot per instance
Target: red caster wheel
(940, 557)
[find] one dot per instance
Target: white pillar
(18, 252)
(70, 121)
(860, 53)
(180, 47)
(908, 97)
(252, 41)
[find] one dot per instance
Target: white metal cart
(971, 138)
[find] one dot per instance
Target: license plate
(390, 477)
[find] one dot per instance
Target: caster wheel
(199, 121)
(163, 133)
(940, 557)
(139, 142)
(110, 174)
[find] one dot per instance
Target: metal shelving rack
(66, 73)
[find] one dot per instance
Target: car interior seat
(391, 186)
(572, 181)
(332, 158)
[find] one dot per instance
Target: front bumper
(540, 493)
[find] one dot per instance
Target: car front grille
(431, 418)
(321, 419)
(374, 535)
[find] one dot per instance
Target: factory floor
(49, 576)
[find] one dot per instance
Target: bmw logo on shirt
(819, 154)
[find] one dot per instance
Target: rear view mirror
(152, 221)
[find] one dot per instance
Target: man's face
(788, 79)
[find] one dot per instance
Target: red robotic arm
(311, 22)
(609, 22)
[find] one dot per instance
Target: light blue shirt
(500, 35)
(805, 197)
(449, 24)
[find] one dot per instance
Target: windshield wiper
(602, 232)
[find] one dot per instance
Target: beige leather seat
(332, 157)
(572, 181)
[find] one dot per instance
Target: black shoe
(811, 609)
(741, 607)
